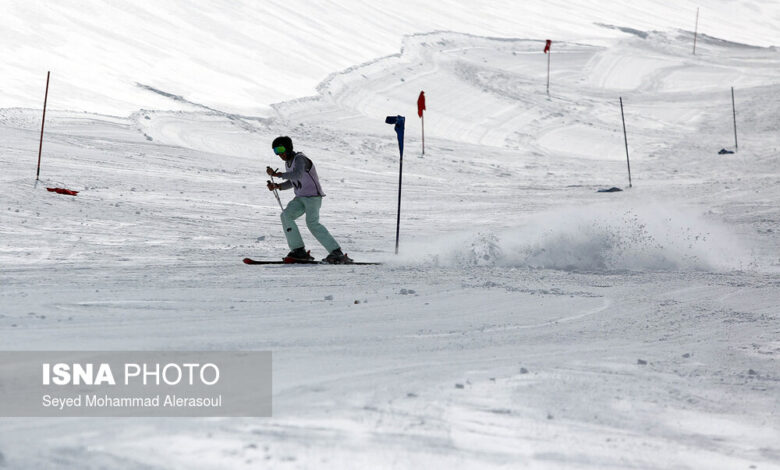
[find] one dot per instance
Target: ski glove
(272, 172)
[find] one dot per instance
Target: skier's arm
(296, 173)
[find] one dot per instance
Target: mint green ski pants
(311, 207)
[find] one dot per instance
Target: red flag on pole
(546, 50)
(420, 109)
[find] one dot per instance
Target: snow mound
(602, 238)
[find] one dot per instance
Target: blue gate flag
(399, 122)
(399, 129)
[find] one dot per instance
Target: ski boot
(337, 257)
(298, 255)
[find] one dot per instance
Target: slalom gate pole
(549, 54)
(625, 138)
(399, 123)
(696, 31)
(734, 113)
(422, 118)
(398, 218)
(43, 122)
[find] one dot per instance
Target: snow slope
(245, 56)
(528, 322)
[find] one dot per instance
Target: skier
(301, 175)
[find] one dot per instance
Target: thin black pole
(734, 113)
(696, 31)
(43, 121)
(399, 122)
(398, 220)
(625, 137)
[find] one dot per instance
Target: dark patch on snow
(635, 32)
(164, 93)
(181, 99)
(705, 39)
(641, 362)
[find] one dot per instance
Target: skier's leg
(294, 209)
(319, 231)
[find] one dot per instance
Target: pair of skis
(294, 261)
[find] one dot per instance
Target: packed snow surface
(528, 321)
(116, 57)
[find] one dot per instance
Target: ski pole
(276, 193)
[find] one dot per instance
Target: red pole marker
(420, 109)
(43, 121)
(549, 54)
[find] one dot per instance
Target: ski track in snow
(510, 330)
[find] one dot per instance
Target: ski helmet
(283, 141)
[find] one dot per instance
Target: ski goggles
(279, 150)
